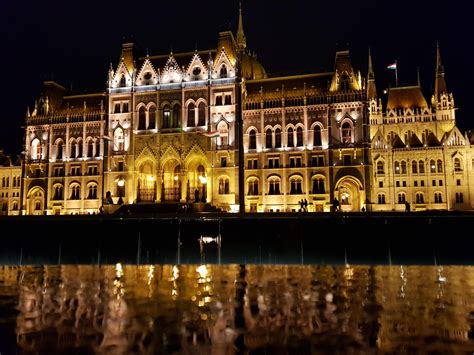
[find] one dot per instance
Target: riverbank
(304, 238)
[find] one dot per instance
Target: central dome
(251, 67)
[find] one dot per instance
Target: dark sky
(73, 42)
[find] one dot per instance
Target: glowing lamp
(203, 179)
(121, 183)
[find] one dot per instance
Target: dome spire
(241, 39)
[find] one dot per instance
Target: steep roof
(406, 97)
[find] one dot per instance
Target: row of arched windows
(418, 167)
(76, 148)
(295, 185)
(75, 191)
(419, 198)
(16, 180)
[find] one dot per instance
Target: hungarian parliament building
(166, 130)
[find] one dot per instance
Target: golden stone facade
(166, 131)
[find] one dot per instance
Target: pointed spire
(241, 39)
(371, 88)
(28, 111)
(418, 79)
(440, 83)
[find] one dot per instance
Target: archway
(197, 182)
(35, 205)
(171, 181)
(146, 182)
(349, 192)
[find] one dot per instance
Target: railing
(146, 194)
(171, 194)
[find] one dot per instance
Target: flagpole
(396, 73)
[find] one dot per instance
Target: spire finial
(241, 39)
(371, 69)
(418, 79)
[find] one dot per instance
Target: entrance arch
(35, 204)
(146, 182)
(171, 183)
(350, 193)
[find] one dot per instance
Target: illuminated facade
(10, 185)
(165, 131)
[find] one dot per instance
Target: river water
(227, 309)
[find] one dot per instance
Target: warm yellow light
(121, 183)
(151, 178)
(118, 270)
(176, 178)
(203, 179)
(202, 270)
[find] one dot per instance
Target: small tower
(442, 100)
(241, 39)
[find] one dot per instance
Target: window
(90, 148)
(152, 118)
(58, 171)
(36, 149)
(278, 138)
(120, 166)
(380, 184)
(223, 129)
(458, 182)
(223, 71)
(397, 167)
(268, 138)
(218, 100)
(397, 183)
(439, 164)
(191, 115)
(202, 114)
(274, 186)
(92, 195)
(432, 166)
(318, 186)
(421, 165)
(290, 138)
(346, 133)
(419, 198)
(75, 171)
(381, 199)
(440, 182)
(252, 164)
(117, 107)
(123, 82)
(347, 159)
(295, 162)
(296, 186)
(224, 186)
(252, 139)
(79, 148)
(75, 192)
(227, 99)
(15, 206)
(59, 150)
(438, 198)
(404, 167)
(93, 170)
(223, 162)
(415, 183)
(196, 71)
(422, 183)
(125, 107)
(404, 183)
(317, 136)
(166, 120)
(401, 198)
(58, 192)
(274, 162)
(299, 137)
(380, 167)
(457, 164)
(414, 167)
(317, 160)
(176, 116)
(141, 118)
(433, 182)
(459, 197)
(253, 187)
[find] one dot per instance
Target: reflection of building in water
(195, 309)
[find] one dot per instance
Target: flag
(392, 66)
(211, 134)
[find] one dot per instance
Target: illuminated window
(202, 114)
(191, 115)
(290, 138)
(36, 149)
(432, 166)
(268, 138)
(58, 192)
(142, 118)
(252, 139)
(299, 137)
(397, 167)
(346, 133)
(224, 186)
(223, 71)
(317, 135)
(252, 187)
(166, 121)
(296, 183)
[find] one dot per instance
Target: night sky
(74, 42)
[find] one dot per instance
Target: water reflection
(229, 309)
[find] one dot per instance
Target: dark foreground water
(254, 309)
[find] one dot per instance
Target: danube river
(227, 309)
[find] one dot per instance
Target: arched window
(224, 186)
(252, 139)
(72, 151)
(141, 118)
(299, 137)
(166, 119)
(36, 149)
(278, 138)
(176, 116)
(92, 192)
(459, 197)
(457, 164)
(152, 118)
(439, 164)
(346, 133)
(317, 136)
(404, 167)
(414, 167)
(15, 206)
(290, 138)
(59, 149)
(438, 197)
(123, 82)
(432, 166)
(381, 199)
(401, 198)
(380, 167)
(421, 167)
(223, 72)
(119, 142)
(344, 82)
(318, 186)
(223, 129)
(191, 115)
(58, 192)
(397, 167)
(420, 198)
(90, 148)
(268, 138)
(202, 114)
(79, 148)
(252, 187)
(296, 185)
(274, 186)
(75, 192)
